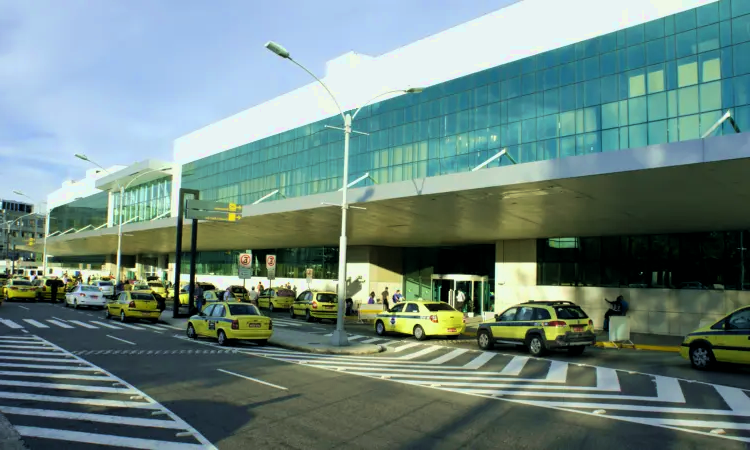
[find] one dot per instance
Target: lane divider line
(253, 379)
(121, 340)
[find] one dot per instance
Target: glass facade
(290, 262)
(421, 263)
(77, 214)
(664, 81)
(687, 261)
(143, 202)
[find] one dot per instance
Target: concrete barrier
(368, 312)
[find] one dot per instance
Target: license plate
(451, 330)
(577, 328)
(253, 325)
(23, 290)
(94, 296)
(328, 307)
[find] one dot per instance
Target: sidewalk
(297, 340)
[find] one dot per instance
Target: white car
(107, 287)
(85, 295)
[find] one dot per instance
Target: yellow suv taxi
(315, 305)
(540, 326)
(727, 340)
(227, 321)
(422, 319)
(276, 298)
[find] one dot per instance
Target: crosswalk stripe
(78, 400)
(168, 326)
(287, 322)
(68, 387)
(26, 352)
(106, 325)
(58, 323)
(354, 337)
(369, 341)
(448, 356)
(22, 338)
(27, 347)
(11, 324)
(153, 327)
(8, 341)
(83, 324)
(25, 358)
(35, 323)
(65, 376)
(405, 347)
(515, 366)
(44, 366)
(129, 325)
(89, 417)
(102, 439)
(424, 351)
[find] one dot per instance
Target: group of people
(384, 296)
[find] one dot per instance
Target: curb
(328, 350)
(655, 348)
(9, 437)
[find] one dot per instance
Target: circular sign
(393, 320)
(246, 260)
(270, 261)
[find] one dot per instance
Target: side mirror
(497, 317)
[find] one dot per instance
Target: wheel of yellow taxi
(291, 312)
(222, 338)
(270, 306)
(419, 333)
(535, 345)
(308, 316)
(107, 315)
(123, 318)
(483, 340)
(191, 331)
(380, 328)
(701, 356)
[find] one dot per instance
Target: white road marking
(83, 324)
(153, 327)
(448, 356)
(129, 325)
(11, 324)
(639, 408)
(424, 351)
(480, 360)
(253, 379)
(366, 341)
(735, 398)
(26, 347)
(24, 358)
(121, 340)
(64, 376)
(67, 387)
(607, 380)
(515, 366)
(35, 323)
(59, 324)
(106, 325)
(405, 347)
(29, 338)
(103, 439)
(168, 326)
(78, 400)
(44, 366)
(19, 341)
(558, 372)
(15, 352)
(102, 418)
(27, 309)
(668, 389)
(354, 337)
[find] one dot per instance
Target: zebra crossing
(49, 394)
(69, 324)
(151, 352)
(679, 404)
(364, 339)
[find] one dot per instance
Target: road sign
(216, 211)
(309, 274)
(246, 260)
(271, 266)
(244, 273)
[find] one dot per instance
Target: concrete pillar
(515, 272)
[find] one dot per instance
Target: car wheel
(191, 331)
(123, 318)
(419, 333)
(701, 357)
(380, 328)
(308, 317)
(65, 303)
(261, 342)
(270, 307)
(222, 338)
(107, 315)
(291, 313)
(484, 340)
(576, 350)
(535, 345)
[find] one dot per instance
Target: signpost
(244, 269)
(309, 275)
(271, 266)
(215, 211)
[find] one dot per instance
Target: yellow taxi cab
(421, 319)
(240, 293)
(727, 340)
(315, 305)
(157, 287)
(19, 289)
(183, 286)
(131, 305)
(44, 288)
(227, 321)
(540, 326)
(276, 298)
(184, 291)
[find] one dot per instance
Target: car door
(734, 344)
(502, 329)
(392, 321)
(215, 320)
(300, 305)
(408, 318)
(263, 299)
(200, 321)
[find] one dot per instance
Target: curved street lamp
(339, 337)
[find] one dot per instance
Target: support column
(515, 272)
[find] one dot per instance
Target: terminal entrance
(466, 293)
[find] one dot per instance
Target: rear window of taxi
(287, 293)
(20, 282)
(243, 310)
(141, 296)
(238, 290)
(326, 298)
(570, 312)
(438, 307)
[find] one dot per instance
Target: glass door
(466, 293)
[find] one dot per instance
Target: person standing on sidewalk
(385, 295)
(53, 291)
(198, 292)
(253, 296)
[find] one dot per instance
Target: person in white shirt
(253, 296)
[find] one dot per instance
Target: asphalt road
(70, 381)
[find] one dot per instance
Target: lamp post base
(339, 338)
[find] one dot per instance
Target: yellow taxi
(727, 340)
(421, 319)
(131, 305)
(315, 305)
(157, 287)
(183, 286)
(44, 288)
(240, 293)
(19, 289)
(540, 326)
(276, 298)
(227, 321)
(184, 291)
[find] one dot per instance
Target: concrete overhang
(126, 175)
(697, 185)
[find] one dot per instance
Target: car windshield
(284, 293)
(570, 312)
(327, 298)
(243, 310)
(156, 285)
(21, 283)
(138, 287)
(141, 296)
(207, 287)
(432, 307)
(85, 288)
(105, 283)
(239, 290)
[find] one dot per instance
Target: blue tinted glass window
(592, 119)
(708, 14)
(608, 42)
(637, 110)
(634, 35)
(551, 101)
(513, 87)
(480, 96)
(609, 89)
(742, 90)
(742, 65)
(493, 93)
(668, 25)
(547, 127)
(592, 142)
(568, 123)
(611, 140)
(654, 29)
(725, 10)
(741, 29)
(685, 21)
(528, 65)
(725, 34)
(528, 83)
(708, 38)
(656, 78)
(689, 127)
(638, 135)
(592, 94)
(567, 98)
(655, 51)
(547, 150)
(657, 132)
(528, 130)
(740, 7)
(657, 106)
(591, 68)
(687, 100)
(686, 44)
(528, 106)
(551, 78)
(515, 109)
(608, 62)
(567, 146)
(636, 56)
(669, 47)
(528, 152)
(710, 96)
(567, 54)
(709, 66)
(568, 74)
(610, 115)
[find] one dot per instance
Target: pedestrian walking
(385, 295)
(53, 291)
(198, 293)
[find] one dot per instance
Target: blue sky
(119, 80)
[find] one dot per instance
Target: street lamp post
(122, 199)
(46, 230)
(339, 337)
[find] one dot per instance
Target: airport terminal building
(610, 187)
